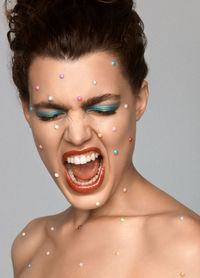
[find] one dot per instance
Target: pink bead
(125, 189)
(47, 253)
(37, 88)
(41, 147)
(79, 98)
(114, 129)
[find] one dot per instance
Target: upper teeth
(82, 159)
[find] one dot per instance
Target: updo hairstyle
(72, 28)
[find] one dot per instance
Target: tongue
(85, 171)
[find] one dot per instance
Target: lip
(76, 152)
(84, 188)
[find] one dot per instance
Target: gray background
(168, 135)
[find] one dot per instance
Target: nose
(77, 131)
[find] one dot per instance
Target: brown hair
(72, 28)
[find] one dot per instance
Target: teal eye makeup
(48, 115)
(106, 109)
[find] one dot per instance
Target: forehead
(78, 74)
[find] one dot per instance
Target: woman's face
(77, 105)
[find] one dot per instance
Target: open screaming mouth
(84, 173)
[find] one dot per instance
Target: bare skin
(152, 241)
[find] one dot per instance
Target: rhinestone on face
(125, 106)
(122, 219)
(125, 189)
(31, 108)
(23, 234)
(99, 135)
(94, 82)
(79, 98)
(181, 217)
(130, 139)
(52, 228)
(80, 264)
(56, 175)
(182, 274)
(61, 76)
(41, 147)
(97, 204)
(116, 152)
(114, 129)
(113, 63)
(117, 253)
(37, 88)
(29, 265)
(47, 253)
(50, 98)
(56, 126)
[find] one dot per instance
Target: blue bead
(116, 152)
(31, 108)
(29, 265)
(113, 63)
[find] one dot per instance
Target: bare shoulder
(27, 242)
(176, 240)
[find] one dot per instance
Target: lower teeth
(68, 165)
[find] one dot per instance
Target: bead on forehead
(79, 98)
(116, 152)
(181, 217)
(61, 76)
(80, 264)
(48, 253)
(52, 228)
(94, 82)
(114, 129)
(50, 98)
(125, 106)
(29, 265)
(125, 189)
(113, 63)
(56, 126)
(37, 88)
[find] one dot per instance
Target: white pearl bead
(97, 204)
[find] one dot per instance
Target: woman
(82, 86)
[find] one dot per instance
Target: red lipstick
(84, 188)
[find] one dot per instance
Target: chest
(100, 252)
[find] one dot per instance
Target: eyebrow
(89, 102)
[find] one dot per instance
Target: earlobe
(26, 110)
(142, 100)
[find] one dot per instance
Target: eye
(104, 109)
(48, 116)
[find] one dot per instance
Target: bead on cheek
(126, 106)
(37, 88)
(40, 147)
(114, 129)
(113, 63)
(116, 152)
(50, 98)
(94, 82)
(61, 76)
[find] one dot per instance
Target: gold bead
(99, 135)
(182, 274)
(122, 219)
(117, 253)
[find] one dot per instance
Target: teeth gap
(68, 166)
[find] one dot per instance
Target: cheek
(46, 139)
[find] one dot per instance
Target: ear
(142, 100)
(25, 107)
